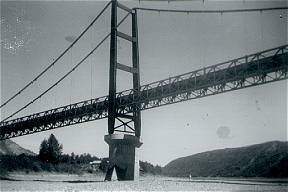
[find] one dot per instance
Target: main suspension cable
(52, 64)
(91, 52)
(208, 11)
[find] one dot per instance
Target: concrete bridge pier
(123, 156)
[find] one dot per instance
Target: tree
(43, 152)
(50, 150)
(104, 164)
(73, 158)
(158, 170)
(66, 159)
(55, 149)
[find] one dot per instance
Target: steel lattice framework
(256, 69)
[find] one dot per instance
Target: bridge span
(255, 69)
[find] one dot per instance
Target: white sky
(33, 34)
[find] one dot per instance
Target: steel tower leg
(112, 71)
(136, 76)
(123, 148)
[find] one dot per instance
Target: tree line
(51, 158)
(51, 152)
(146, 167)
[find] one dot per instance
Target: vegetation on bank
(262, 160)
(72, 164)
(146, 167)
(51, 159)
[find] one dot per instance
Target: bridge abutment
(123, 156)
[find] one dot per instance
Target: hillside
(262, 160)
(8, 147)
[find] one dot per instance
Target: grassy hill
(262, 160)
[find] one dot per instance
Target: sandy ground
(57, 177)
(89, 182)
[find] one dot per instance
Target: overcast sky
(35, 33)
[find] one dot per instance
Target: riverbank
(47, 181)
(52, 176)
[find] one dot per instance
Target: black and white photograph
(132, 95)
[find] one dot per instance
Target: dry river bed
(89, 182)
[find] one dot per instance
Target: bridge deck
(260, 68)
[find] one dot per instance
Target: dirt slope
(8, 147)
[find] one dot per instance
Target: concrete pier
(123, 156)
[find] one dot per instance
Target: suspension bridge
(125, 107)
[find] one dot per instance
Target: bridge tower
(123, 147)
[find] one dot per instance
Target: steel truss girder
(256, 69)
(260, 68)
(54, 118)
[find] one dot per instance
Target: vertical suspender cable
(203, 36)
(91, 64)
(34, 95)
(222, 36)
(262, 40)
(71, 77)
(40, 100)
(18, 103)
(56, 95)
(245, 27)
(51, 97)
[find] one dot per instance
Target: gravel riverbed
(89, 182)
